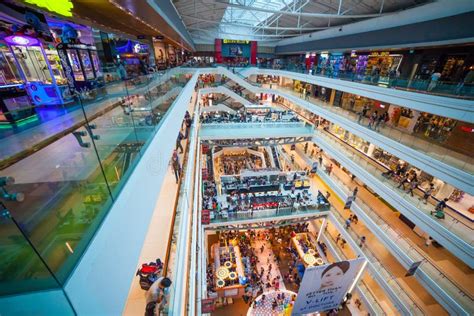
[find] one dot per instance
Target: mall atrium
(236, 157)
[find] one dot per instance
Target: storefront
(381, 65)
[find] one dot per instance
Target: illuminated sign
(62, 7)
(228, 41)
(21, 40)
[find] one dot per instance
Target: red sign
(467, 129)
(207, 305)
(205, 217)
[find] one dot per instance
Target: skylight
(249, 17)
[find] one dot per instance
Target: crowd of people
(248, 117)
(234, 164)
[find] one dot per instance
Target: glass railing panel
(66, 164)
(389, 278)
(270, 213)
(66, 197)
(450, 223)
(21, 269)
(442, 88)
(418, 141)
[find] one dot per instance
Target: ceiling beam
(251, 26)
(303, 14)
(240, 34)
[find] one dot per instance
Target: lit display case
(81, 65)
(39, 69)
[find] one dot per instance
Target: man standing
(434, 80)
(178, 142)
(176, 166)
(156, 296)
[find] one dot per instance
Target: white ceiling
(273, 20)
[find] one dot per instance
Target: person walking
(178, 142)
(354, 193)
(439, 208)
(362, 241)
(348, 223)
(412, 186)
(427, 193)
(176, 165)
(363, 113)
(434, 80)
(372, 119)
(320, 159)
(306, 148)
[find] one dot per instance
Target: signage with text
(228, 41)
(324, 287)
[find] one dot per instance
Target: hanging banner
(324, 287)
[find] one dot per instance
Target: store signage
(467, 129)
(207, 305)
(324, 287)
(21, 40)
(205, 217)
(228, 41)
(61, 7)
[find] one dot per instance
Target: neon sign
(21, 40)
(62, 7)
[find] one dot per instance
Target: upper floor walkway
(449, 166)
(448, 106)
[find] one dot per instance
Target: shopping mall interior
(236, 157)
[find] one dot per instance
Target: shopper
(178, 142)
(338, 237)
(412, 186)
(176, 165)
(348, 223)
(306, 148)
(354, 193)
(156, 296)
(363, 113)
(329, 169)
(434, 80)
(427, 193)
(428, 241)
(362, 241)
(343, 243)
(439, 208)
(372, 119)
(320, 160)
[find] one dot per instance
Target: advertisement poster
(324, 287)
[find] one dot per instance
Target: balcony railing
(70, 164)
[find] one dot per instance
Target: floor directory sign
(324, 287)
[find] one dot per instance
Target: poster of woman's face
(324, 287)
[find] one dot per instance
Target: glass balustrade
(362, 285)
(450, 223)
(442, 88)
(408, 301)
(415, 254)
(69, 164)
